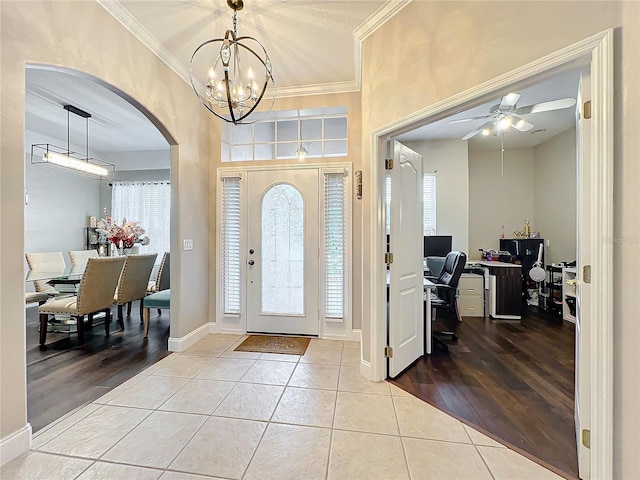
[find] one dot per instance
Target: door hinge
(586, 273)
(586, 110)
(388, 164)
(388, 258)
(586, 438)
(388, 352)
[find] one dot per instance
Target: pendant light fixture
(301, 151)
(49, 154)
(232, 75)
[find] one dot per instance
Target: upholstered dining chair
(95, 293)
(79, 257)
(133, 283)
(161, 281)
(45, 262)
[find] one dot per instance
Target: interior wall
(138, 160)
(445, 48)
(496, 200)
(99, 46)
(555, 197)
(449, 159)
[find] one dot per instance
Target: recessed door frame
(596, 51)
(327, 328)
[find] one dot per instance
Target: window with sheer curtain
(148, 203)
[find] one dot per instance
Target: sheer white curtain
(148, 203)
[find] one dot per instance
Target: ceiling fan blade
(469, 119)
(546, 106)
(508, 101)
(477, 131)
(520, 124)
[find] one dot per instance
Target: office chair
(445, 297)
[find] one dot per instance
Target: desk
(505, 290)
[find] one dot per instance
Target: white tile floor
(211, 412)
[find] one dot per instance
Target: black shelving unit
(553, 289)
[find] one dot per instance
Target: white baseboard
(15, 444)
(356, 335)
(180, 344)
(366, 370)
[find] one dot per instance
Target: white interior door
(582, 412)
(406, 317)
(282, 252)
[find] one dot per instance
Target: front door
(282, 252)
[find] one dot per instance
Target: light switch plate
(187, 244)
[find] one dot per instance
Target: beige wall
(438, 49)
(495, 200)
(555, 195)
(449, 159)
(98, 45)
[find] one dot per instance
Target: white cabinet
(471, 295)
(569, 294)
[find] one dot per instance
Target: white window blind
(148, 203)
(231, 244)
(334, 244)
(429, 206)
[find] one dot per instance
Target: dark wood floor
(513, 380)
(68, 376)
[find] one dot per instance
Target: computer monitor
(437, 245)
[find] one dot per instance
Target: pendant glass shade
(232, 75)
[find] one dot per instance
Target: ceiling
(331, 30)
(114, 126)
(545, 124)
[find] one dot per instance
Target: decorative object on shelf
(122, 237)
(527, 229)
(231, 88)
(49, 154)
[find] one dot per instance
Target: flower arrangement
(124, 236)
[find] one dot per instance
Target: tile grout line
(246, 469)
(404, 450)
(333, 423)
(485, 462)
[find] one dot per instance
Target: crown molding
(379, 18)
(319, 89)
(120, 13)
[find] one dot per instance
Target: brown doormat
(270, 344)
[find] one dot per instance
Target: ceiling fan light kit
(232, 75)
(49, 154)
(506, 115)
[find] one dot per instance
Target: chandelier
(48, 154)
(235, 72)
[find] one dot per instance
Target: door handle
(251, 262)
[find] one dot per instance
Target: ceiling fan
(507, 114)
